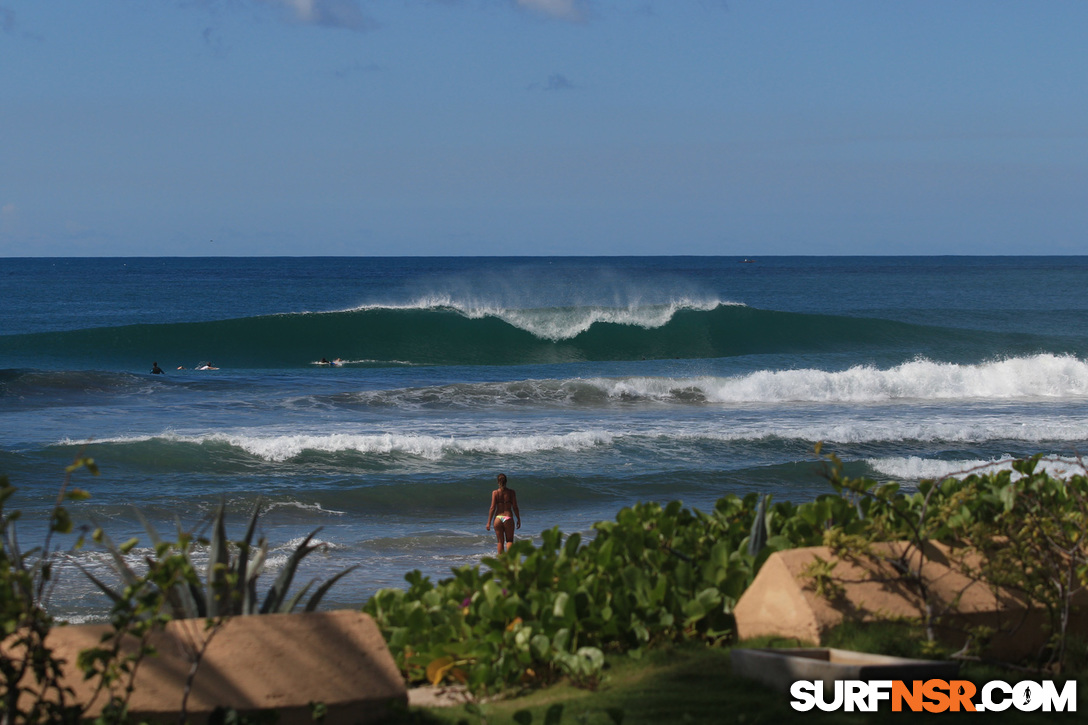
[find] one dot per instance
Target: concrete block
(272, 661)
(780, 668)
(782, 601)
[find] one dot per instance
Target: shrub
(666, 573)
(30, 689)
(171, 587)
(1030, 528)
(654, 574)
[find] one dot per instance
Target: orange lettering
(933, 690)
(960, 693)
(913, 696)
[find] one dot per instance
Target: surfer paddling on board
(504, 507)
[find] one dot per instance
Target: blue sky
(483, 127)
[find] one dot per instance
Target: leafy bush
(654, 574)
(171, 587)
(1030, 528)
(30, 689)
(659, 574)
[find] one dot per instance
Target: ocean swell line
(652, 442)
(279, 448)
(559, 323)
(446, 336)
(1043, 376)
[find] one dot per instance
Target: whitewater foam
(279, 448)
(290, 546)
(916, 468)
(1043, 376)
(1038, 376)
(559, 323)
(304, 506)
(833, 426)
(857, 431)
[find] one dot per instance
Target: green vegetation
(229, 587)
(691, 683)
(172, 588)
(31, 689)
(659, 575)
(633, 623)
(656, 574)
(169, 587)
(1030, 530)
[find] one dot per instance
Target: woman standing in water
(504, 507)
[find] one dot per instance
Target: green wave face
(445, 336)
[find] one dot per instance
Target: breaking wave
(439, 332)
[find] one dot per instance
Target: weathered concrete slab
(274, 661)
(780, 668)
(783, 601)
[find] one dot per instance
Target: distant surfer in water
(156, 370)
(504, 507)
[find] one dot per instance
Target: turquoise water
(591, 382)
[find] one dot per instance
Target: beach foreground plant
(662, 574)
(1018, 530)
(30, 676)
(655, 574)
(171, 587)
(229, 585)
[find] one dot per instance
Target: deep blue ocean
(592, 383)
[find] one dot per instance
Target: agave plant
(229, 584)
(757, 539)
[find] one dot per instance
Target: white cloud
(327, 13)
(350, 15)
